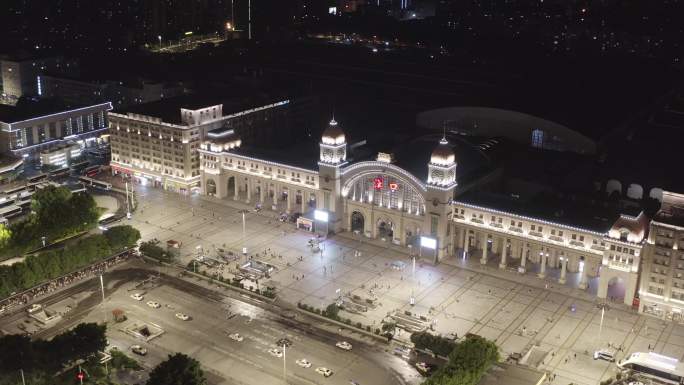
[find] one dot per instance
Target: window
(532, 227)
(560, 233)
(553, 232)
(519, 224)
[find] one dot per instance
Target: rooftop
(561, 210)
(30, 108)
(301, 154)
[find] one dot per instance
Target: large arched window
(388, 191)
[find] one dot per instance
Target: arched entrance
(231, 186)
(616, 289)
(357, 222)
(385, 229)
(210, 187)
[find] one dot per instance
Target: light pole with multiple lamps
(244, 231)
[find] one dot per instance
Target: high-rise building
(21, 75)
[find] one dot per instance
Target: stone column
(564, 264)
(249, 190)
(483, 259)
(262, 194)
(463, 236)
(289, 201)
(542, 270)
(523, 257)
(275, 196)
(466, 245)
(237, 189)
(504, 251)
(304, 202)
(583, 276)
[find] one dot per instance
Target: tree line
(468, 362)
(51, 264)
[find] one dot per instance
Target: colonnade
(518, 252)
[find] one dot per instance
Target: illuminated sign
(429, 243)
(320, 215)
(377, 183)
(393, 186)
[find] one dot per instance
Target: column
(275, 197)
(237, 189)
(483, 260)
(464, 233)
(466, 245)
(504, 252)
(542, 270)
(523, 258)
(564, 263)
(289, 201)
(304, 202)
(583, 276)
(249, 190)
(262, 194)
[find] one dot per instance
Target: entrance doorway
(616, 289)
(211, 187)
(357, 222)
(385, 229)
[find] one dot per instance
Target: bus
(37, 178)
(92, 171)
(657, 366)
(9, 211)
(95, 183)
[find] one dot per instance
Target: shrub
(358, 325)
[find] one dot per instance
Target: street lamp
(603, 307)
(244, 232)
(160, 44)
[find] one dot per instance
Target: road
(214, 315)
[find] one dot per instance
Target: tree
(120, 237)
(5, 236)
(153, 250)
(178, 369)
(88, 339)
(332, 311)
(16, 352)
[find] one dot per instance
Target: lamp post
(244, 232)
(603, 307)
(160, 43)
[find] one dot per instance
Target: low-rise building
(60, 155)
(11, 167)
(31, 127)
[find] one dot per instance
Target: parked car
(153, 304)
(275, 353)
(236, 337)
(137, 296)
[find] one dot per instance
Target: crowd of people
(27, 296)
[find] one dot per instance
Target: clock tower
(333, 155)
(441, 183)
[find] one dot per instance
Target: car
(275, 353)
(137, 296)
(236, 337)
(324, 371)
(182, 316)
(344, 345)
(423, 367)
(304, 363)
(605, 354)
(153, 304)
(34, 308)
(137, 349)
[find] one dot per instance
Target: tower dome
(443, 154)
(333, 134)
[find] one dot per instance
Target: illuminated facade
(376, 198)
(163, 150)
(661, 290)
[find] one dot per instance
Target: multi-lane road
(216, 314)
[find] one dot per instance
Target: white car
(344, 345)
(422, 367)
(324, 371)
(304, 363)
(153, 304)
(34, 308)
(182, 316)
(236, 337)
(275, 353)
(605, 354)
(137, 296)
(137, 349)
